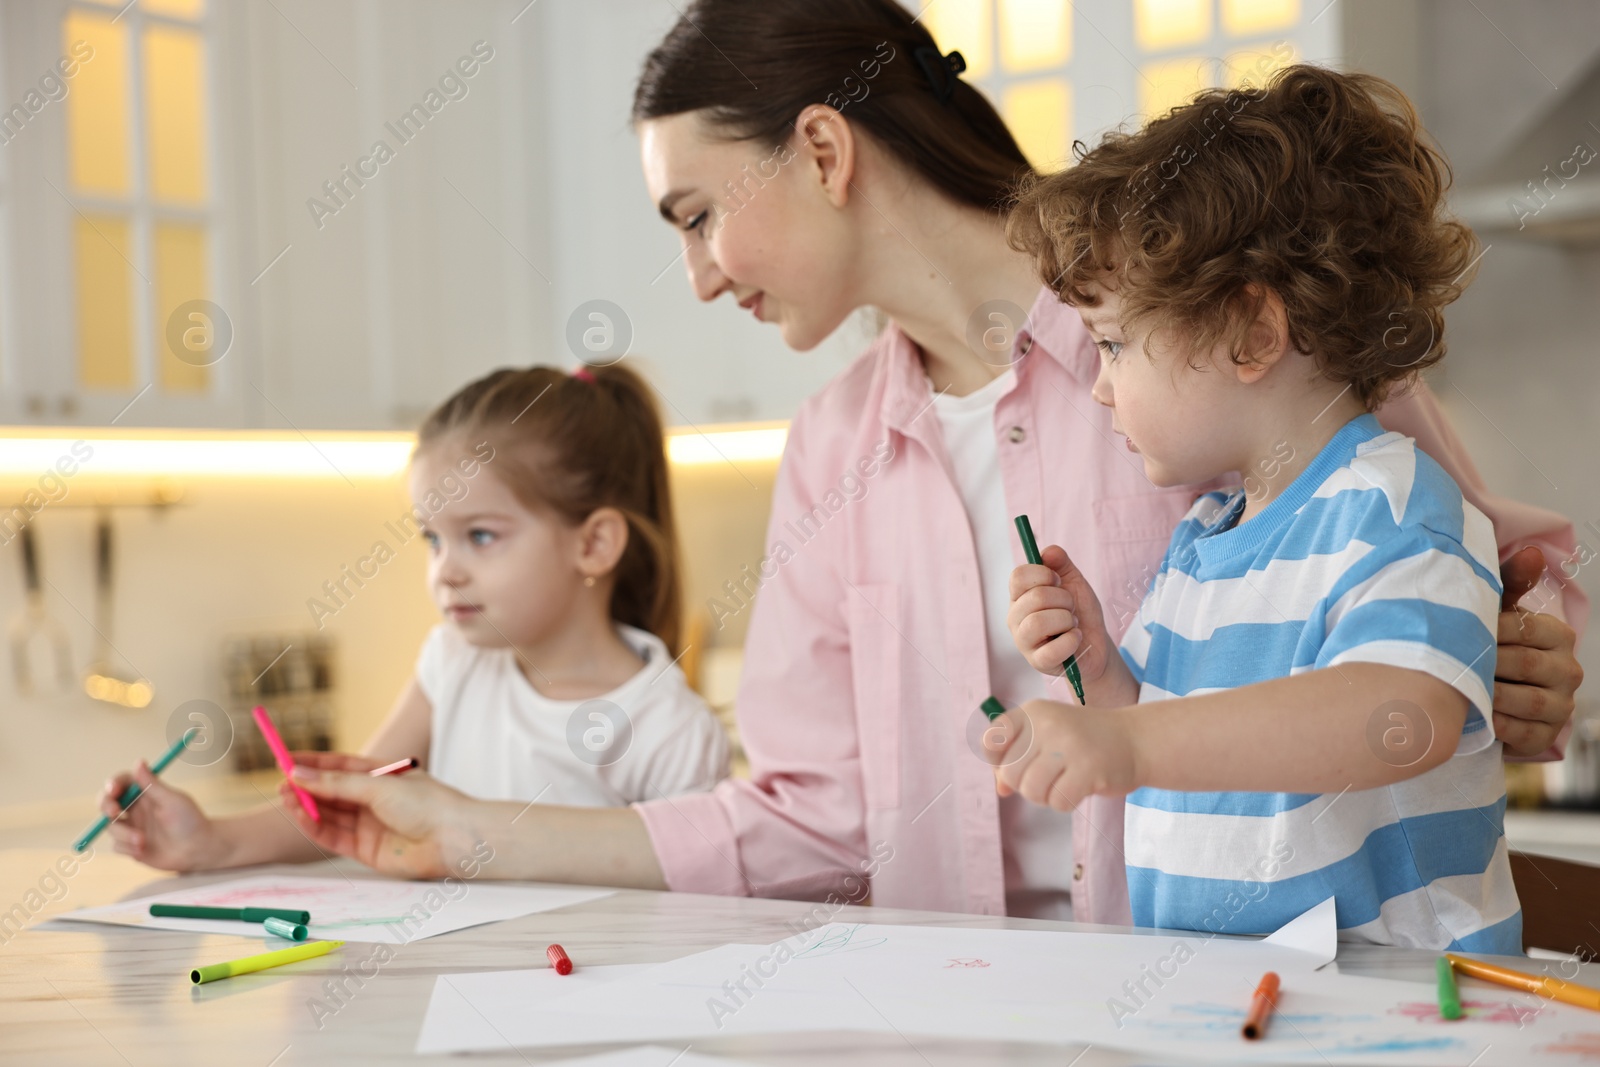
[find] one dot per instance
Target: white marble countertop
(1567, 835)
(74, 993)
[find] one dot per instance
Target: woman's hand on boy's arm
(1536, 673)
(1356, 726)
(1055, 614)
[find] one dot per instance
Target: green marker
(244, 915)
(130, 794)
(1449, 996)
(201, 975)
(284, 929)
(992, 708)
(1030, 549)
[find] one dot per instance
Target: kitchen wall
(243, 557)
(1508, 89)
(1522, 379)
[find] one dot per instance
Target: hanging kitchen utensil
(105, 680)
(35, 622)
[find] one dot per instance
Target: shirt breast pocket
(877, 650)
(1134, 533)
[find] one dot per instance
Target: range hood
(1545, 186)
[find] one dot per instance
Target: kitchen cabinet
(399, 195)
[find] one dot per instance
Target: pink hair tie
(584, 374)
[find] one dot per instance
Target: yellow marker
(1581, 996)
(201, 975)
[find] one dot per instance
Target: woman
(866, 172)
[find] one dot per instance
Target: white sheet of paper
(466, 1010)
(359, 909)
(1329, 1018)
(1165, 995)
(649, 1056)
(1316, 932)
(1006, 984)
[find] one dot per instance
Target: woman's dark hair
(574, 443)
(753, 65)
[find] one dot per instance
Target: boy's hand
(1055, 614)
(1072, 753)
(163, 827)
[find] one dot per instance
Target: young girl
(553, 676)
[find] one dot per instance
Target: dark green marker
(285, 929)
(1030, 549)
(247, 915)
(992, 708)
(1449, 995)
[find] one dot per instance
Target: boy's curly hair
(1320, 187)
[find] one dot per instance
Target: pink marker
(399, 766)
(285, 761)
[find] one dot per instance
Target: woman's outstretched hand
(408, 826)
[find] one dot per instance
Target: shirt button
(1017, 435)
(1077, 872)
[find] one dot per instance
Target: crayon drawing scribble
(1479, 1011)
(1350, 1033)
(1585, 1046)
(841, 939)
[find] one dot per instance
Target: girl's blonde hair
(573, 443)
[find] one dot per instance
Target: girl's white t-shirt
(1035, 841)
(496, 737)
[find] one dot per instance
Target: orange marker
(1261, 1006)
(558, 959)
(1580, 996)
(399, 766)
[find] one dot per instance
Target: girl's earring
(588, 580)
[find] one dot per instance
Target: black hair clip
(941, 71)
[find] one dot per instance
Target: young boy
(1301, 706)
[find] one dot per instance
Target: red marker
(399, 766)
(558, 959)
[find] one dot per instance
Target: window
(1055, 67)
(1017, 51)
(138, 179)
(1179, 42)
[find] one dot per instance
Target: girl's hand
(410, 826)
(1055, 614)
(163, 827)
(1072, 753)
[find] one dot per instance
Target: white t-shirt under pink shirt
(1035, 841)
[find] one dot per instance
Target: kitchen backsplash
(239, 560)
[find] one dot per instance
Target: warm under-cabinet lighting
(26, 453)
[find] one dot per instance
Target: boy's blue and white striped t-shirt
(1371, 555)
